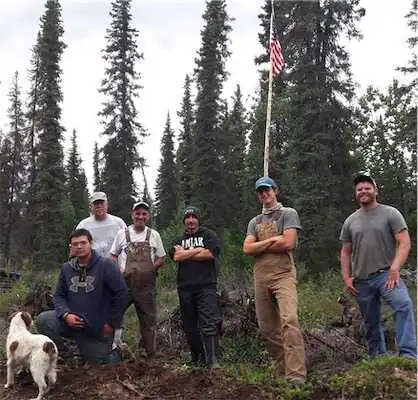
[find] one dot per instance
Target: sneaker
(115, 356)
(296, 380)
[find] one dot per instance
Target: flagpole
(269, 98)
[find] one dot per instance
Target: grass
(318, 305)
(389, 378)
(246, 357)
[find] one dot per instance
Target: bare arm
(251, 247)
(285, 242)
(159, 262)
(403, 242)
(180, 254)
(204, 254)
(345, 259)
(403, 246)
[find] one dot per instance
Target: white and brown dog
(37, 353)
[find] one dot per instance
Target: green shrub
(389, 378)
(15, 296)
(318, 305)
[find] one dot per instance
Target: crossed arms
(196, 253)
(275, 244)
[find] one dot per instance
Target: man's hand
(74, 321)
(348, 283)
(179, 250)
(107, 330)
(394, 278)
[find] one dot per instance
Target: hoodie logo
(87, 284)
(192, 242)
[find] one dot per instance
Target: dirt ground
(143, 381)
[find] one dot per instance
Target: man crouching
(89, 302)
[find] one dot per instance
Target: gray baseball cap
(96, 196)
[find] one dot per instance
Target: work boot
(211, 346)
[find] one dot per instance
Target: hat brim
(363, 178)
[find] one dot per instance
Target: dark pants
(93, 349)
(200, 312)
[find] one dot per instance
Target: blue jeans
(371, 290)
(93, 349)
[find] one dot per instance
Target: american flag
(276, 55)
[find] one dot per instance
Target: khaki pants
(276, 308)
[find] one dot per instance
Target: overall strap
(148, 235)
(127, 236)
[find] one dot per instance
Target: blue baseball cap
(265, 181)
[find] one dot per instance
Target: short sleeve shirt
(372, 237)
(120, 247)
(288, 219)
(102, 231)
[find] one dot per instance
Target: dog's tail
(50, 349)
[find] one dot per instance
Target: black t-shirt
(198, 272)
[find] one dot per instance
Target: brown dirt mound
(143, 381)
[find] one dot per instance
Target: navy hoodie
(192, 273)
(96, 292)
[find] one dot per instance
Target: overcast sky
(169, 36)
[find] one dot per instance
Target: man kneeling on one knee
(89, 302)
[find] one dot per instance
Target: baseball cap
(363, 177)
(140, 204)
(266, 182)
(98, 196)
(191, 210)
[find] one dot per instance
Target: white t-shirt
(103, 231)
(120, 248)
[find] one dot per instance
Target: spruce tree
(32, 109)
(77, 183)
(318, 88)
(208, 184)
(166, 189)
(48, 192)
(97, 184)
(5, 181)
(119, 116)
(235, 134)
(17, 159)
(184, 157)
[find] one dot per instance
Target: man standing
(197, 254)
(141, 255)
(89, 302)
(271, 239)
(375, 246)
(102, 226)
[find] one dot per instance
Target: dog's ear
(27, 319)
(11, 316)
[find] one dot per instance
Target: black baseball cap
(363, 177)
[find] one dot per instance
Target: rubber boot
(211, 346)
(197, 354)
(149, 340)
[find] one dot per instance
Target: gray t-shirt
(372, 236)
(103, 231)
(289, 218)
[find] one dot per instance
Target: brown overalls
(276, 301)
(140, 276)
